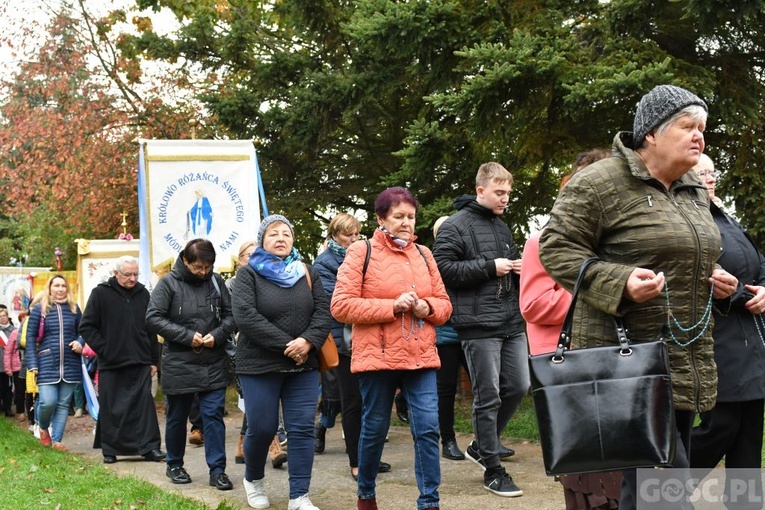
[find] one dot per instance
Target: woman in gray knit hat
(646, 217)
(282, 313)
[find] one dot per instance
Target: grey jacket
(616, 211)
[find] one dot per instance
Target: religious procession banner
(17, 288)
(189, 189)
(96, 260)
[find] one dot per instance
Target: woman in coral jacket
(543, 301)
(391, 291)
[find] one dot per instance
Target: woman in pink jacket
(390, 289)
(543, 302)
(544, 305)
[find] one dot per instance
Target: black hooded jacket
(466, 246)
(182, 304)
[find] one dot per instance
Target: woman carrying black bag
(647, 220)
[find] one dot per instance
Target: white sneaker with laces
(301, 503)
(256, 494)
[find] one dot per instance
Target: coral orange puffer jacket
(382, 340)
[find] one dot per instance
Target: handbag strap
(564, 343)
(308, 276)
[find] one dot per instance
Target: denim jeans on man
(211, 404)
(499, 370)
(377, 391)
(298, 393)
(53, 408)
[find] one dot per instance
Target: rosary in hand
(703, 322)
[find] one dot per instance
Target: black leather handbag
(603, 408)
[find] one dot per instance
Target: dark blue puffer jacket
(53, 358)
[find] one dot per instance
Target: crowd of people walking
(405, 319)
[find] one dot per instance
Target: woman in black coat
(282, 313)
(733, 428)
(191, 309)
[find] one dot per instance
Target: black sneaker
(500, 483)
(221, 482)
(178, 475)
(471, 453)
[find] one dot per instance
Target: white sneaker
(36, 431)
(256, 494)
(301, 503)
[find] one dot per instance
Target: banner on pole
(196, 188)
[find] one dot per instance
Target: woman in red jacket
(390, 289)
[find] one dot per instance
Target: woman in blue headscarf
(282, 312)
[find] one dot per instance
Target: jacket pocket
(43, 353)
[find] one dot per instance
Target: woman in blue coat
(53, 355)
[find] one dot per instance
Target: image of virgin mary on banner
(196, 188)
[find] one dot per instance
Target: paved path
(332, 487)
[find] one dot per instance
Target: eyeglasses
(128, 275)
(707, 173)
(200, 267)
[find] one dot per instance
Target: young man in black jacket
(479, 264)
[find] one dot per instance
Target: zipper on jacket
(650, 201)
(477, 249)
(60, 340)
(694, 303)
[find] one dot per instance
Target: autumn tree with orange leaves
(70, 119)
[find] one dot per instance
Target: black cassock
(127, 419)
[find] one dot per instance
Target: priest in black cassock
(114, 326)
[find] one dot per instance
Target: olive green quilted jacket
(616, 211)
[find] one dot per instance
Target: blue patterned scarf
(284, 273)
(336, 248)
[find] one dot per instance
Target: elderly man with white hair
(114, 326)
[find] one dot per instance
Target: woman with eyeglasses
(732, 429)
(191, 309)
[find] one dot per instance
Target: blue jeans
(53, 407)
(377, 392)
(499, 373)
(211, 405)
(298, 393)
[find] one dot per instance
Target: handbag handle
(564, 344)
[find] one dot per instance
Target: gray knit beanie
(657, 106)
(268, 221)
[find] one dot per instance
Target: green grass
(523, 425)
(35, 477)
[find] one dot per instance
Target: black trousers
(447, 378)
(732, 430)
(350, 405)
(684, 424)
(6, 394)
(19, 390)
